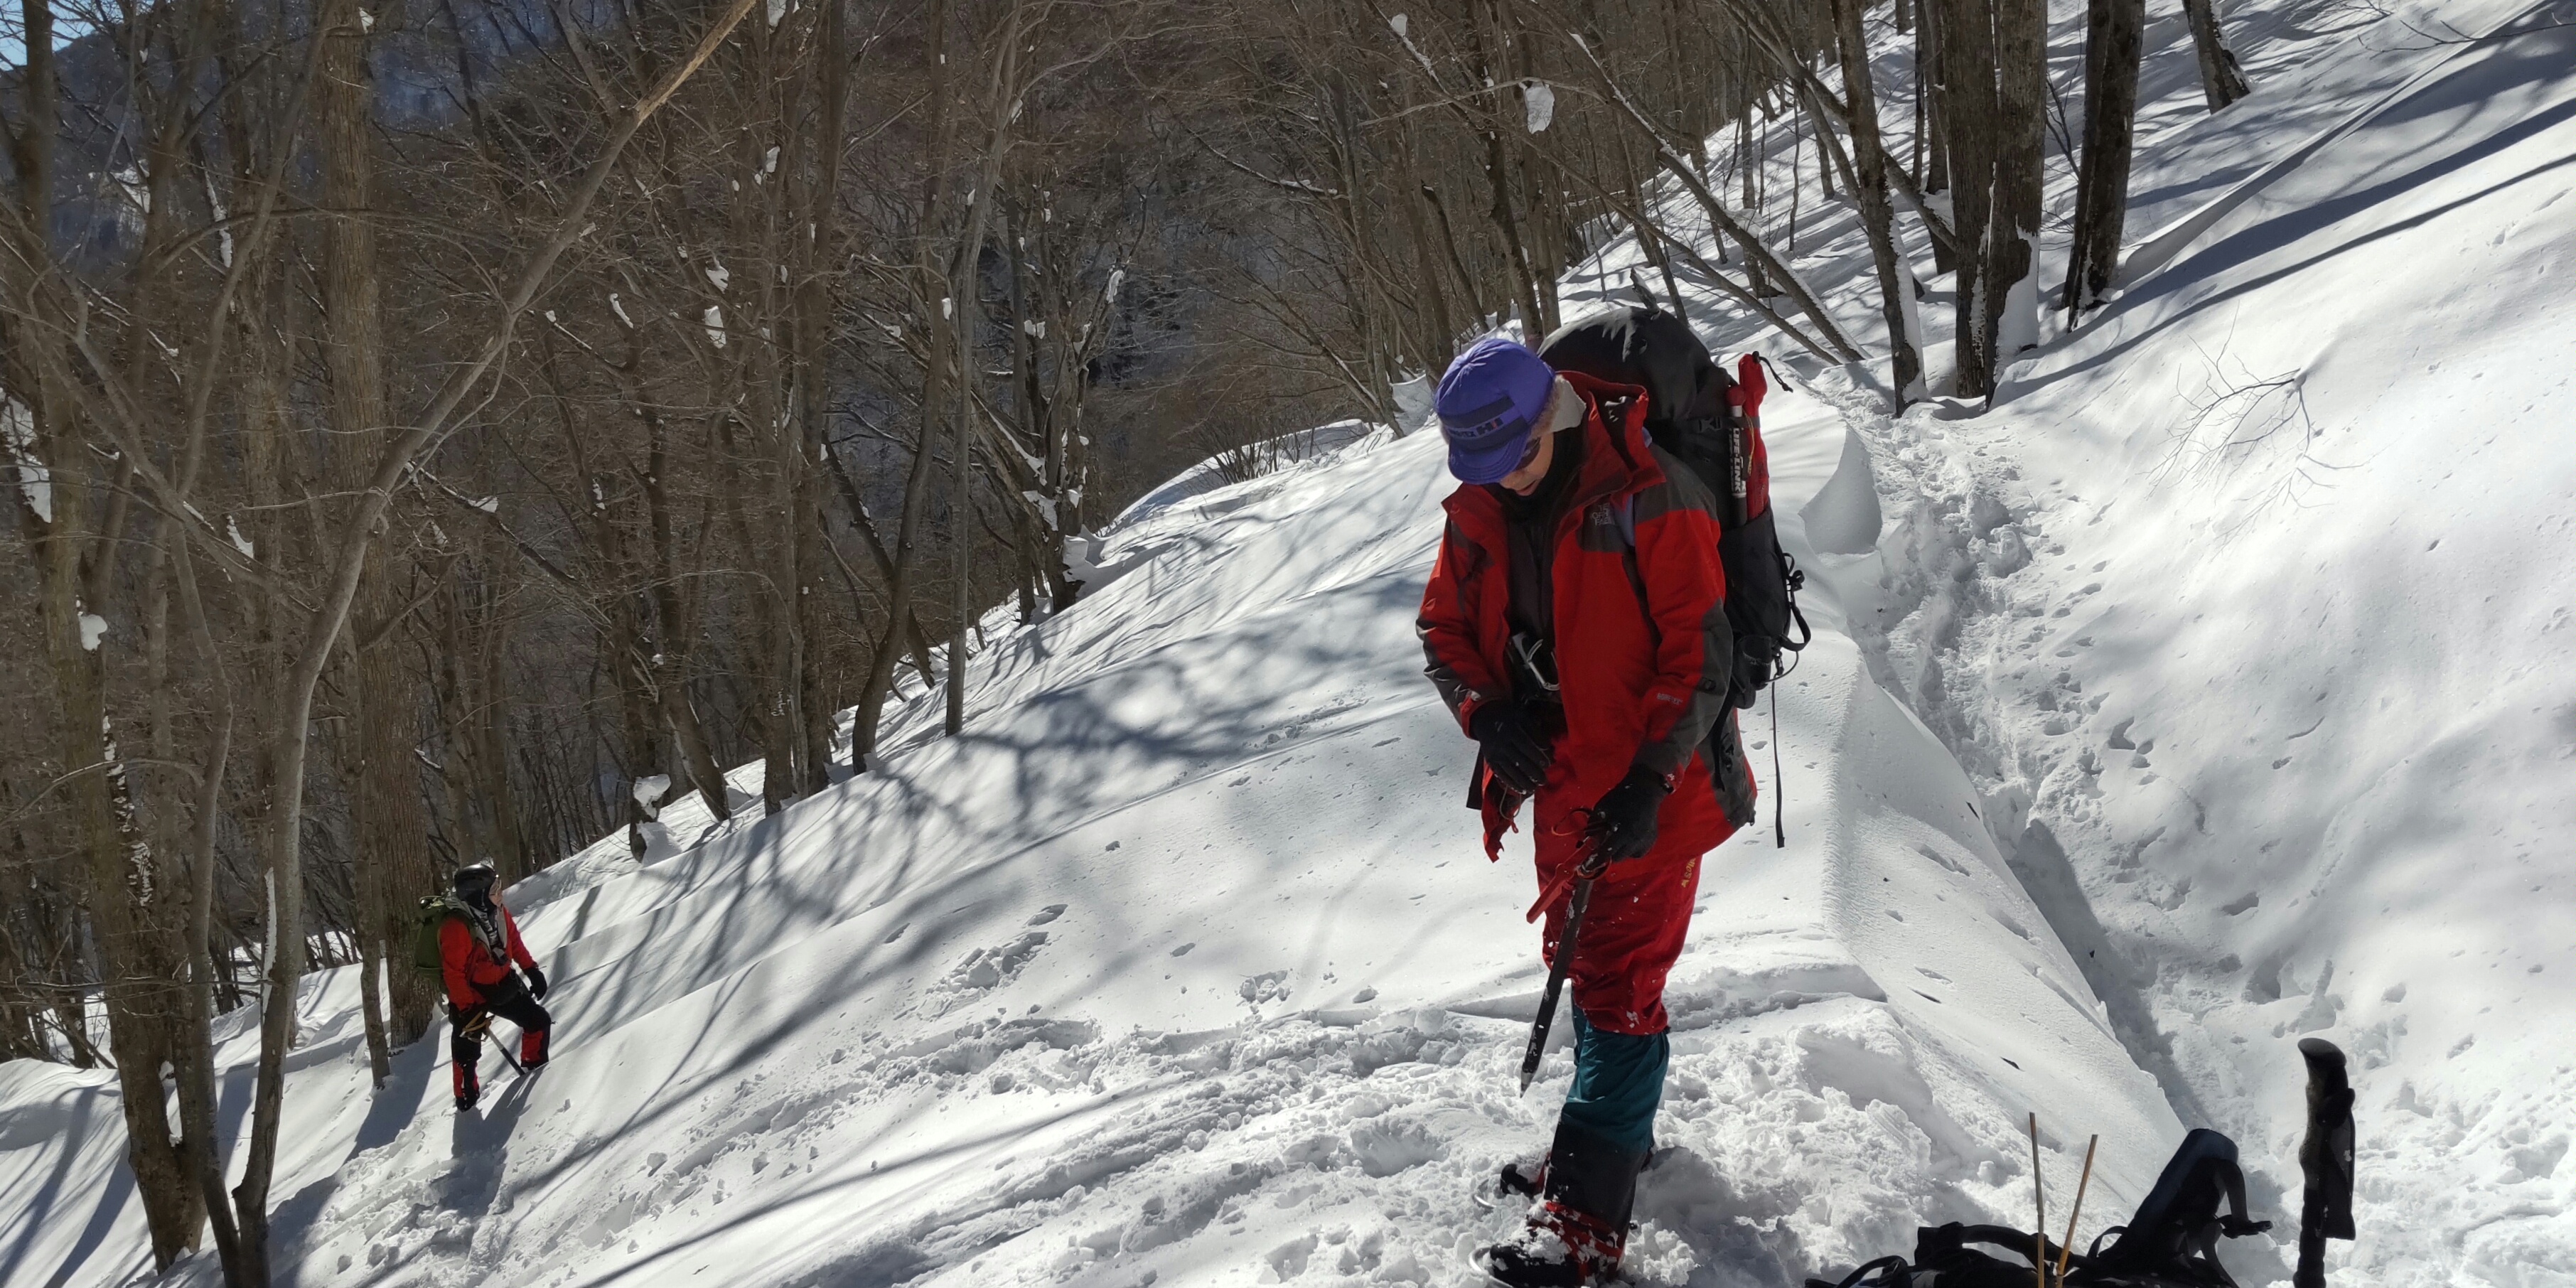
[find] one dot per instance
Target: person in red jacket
(1575, 623)
(476, 950)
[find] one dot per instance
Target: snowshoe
(1558, 1248)
(1579, 1225)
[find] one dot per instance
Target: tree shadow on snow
(2488, 78)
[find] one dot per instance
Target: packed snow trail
(2249, 612)
(1183, 965)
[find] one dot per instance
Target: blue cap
(1488, 401)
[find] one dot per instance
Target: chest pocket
(1610, 527)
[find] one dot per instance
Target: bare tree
(2114, 35)
(2220, 77)
(1877, 210)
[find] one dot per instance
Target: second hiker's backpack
(1713, 425)
(426, 923)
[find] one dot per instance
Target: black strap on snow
(1890, 1270)
(2018, 1242)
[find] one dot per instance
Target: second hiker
(1576, 624)
(478, 944)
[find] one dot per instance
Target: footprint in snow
(1047, 914)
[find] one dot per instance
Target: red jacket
(1643, 658)
(470, 963)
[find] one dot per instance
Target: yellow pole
(2066, 1250)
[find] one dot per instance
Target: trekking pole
(2039, 1198)
(2325, 1211)
(1585, 871)
(1779, 789)
(2066, 1250)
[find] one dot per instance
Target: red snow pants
(1634, 927)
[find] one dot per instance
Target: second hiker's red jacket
(470, 963)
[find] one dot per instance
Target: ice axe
(1580, 876)
(479, 1028)
(2325, 1159)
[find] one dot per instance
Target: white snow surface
(2207, 691)
(1185, 961)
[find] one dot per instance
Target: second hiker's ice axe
(479, 1028)
(1580, 876)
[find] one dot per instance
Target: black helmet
(474, 882)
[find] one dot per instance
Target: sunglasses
(1529, 452)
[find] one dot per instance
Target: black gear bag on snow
(2171, 1242)
(1712, 424)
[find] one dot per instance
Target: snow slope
(1183, 966)
(2249, 612)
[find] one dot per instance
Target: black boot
(1580, 1225)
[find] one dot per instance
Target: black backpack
(2172, 1241)
(1711, 424)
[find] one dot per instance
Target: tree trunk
(927, 271)
(1968, 122)
(2113, 42)
(2220, 77)
(671, 659)
(392, 862)
(1877, 210)
(1931, 74)
(193, 1059)
(128, 903)
(819, 251)
(2012, 239)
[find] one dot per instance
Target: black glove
(536, 984)
(505, 988)
(1623, 822)
(1514, 749)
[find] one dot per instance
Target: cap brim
(1488, 464)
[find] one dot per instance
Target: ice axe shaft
(2325, 1160)
(481, 1028)
(1584, 873)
